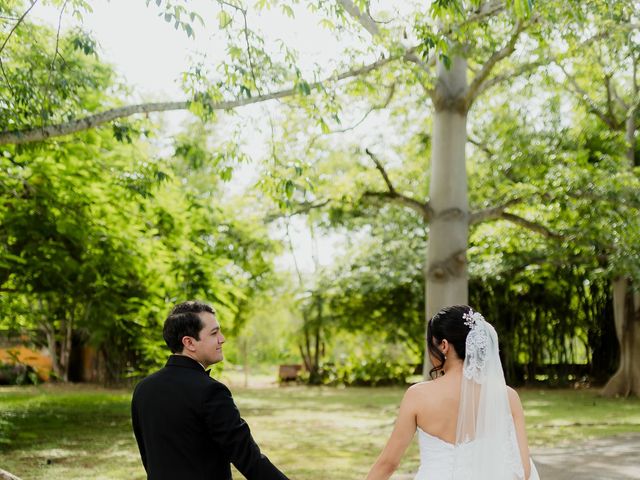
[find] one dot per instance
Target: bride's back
(437, 408)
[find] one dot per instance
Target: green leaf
(226, 174)
(303, 87)
(324, 127)
(287, 10)
(224, 19)
(289, 188)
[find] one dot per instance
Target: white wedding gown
(440, 460)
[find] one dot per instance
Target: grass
(58, 431)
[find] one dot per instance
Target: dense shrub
(18, 374)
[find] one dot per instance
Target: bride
(470, 424)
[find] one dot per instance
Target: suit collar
(185, 362)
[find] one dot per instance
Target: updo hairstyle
(447, 324)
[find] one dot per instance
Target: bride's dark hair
(447, 324)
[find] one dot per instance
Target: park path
(609, 458)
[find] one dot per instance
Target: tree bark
(626, 305)
(446, 277)
(626, 312)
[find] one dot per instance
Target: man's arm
(138, 432)
(233, 436)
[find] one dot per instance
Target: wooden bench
(289, 373)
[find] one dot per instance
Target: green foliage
(17, 374)
(357, 370)
(175, 14)
(102, 233)
(48, 79)
(100, 237)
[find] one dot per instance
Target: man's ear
(187, 343)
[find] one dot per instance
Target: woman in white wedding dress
(470, 424)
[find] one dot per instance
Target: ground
(609, 458)
(83, 431)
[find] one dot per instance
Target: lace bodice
(440, 460)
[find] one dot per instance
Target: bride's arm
(518, 419)
(403, 432)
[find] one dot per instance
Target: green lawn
(83, 432)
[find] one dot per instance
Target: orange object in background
(39, 361)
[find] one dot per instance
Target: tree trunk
(626, 307)
(626, 313)
(65, 346)
(446, 276)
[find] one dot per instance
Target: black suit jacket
(187, 426)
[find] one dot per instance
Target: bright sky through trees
(150, 56)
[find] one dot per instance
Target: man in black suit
(186, 423)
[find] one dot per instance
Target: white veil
(485, 436)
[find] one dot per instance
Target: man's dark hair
(184, 321)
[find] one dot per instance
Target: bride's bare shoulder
(421, 388)
(513, 395)
(514, 402)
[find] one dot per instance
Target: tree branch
(371, 26)
(492, 213)
(304, 207)
(482, 146)
(617, 98)
(497, 56)
(33, 4)
(536, 227)
(411, 56)
(607, 85)
(53, 62)
(35, 134)
(516, 72)
(584, 96)
(424, 209)
(363, 18)
(486, 10)
(384, 104)
(498, 213)
(382, 171)
(245, 30)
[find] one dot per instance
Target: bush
(18, 374)
(362, 371)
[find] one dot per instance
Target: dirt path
(610, 458)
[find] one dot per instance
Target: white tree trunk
(626, 313)
(446, 276)
(626, 309)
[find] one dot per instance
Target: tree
(98, 233)
(607, 88)
(426, 53)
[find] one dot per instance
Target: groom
(186, 423)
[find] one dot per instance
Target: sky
(150, 56)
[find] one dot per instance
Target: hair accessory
(476, 346)
(471, 318)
